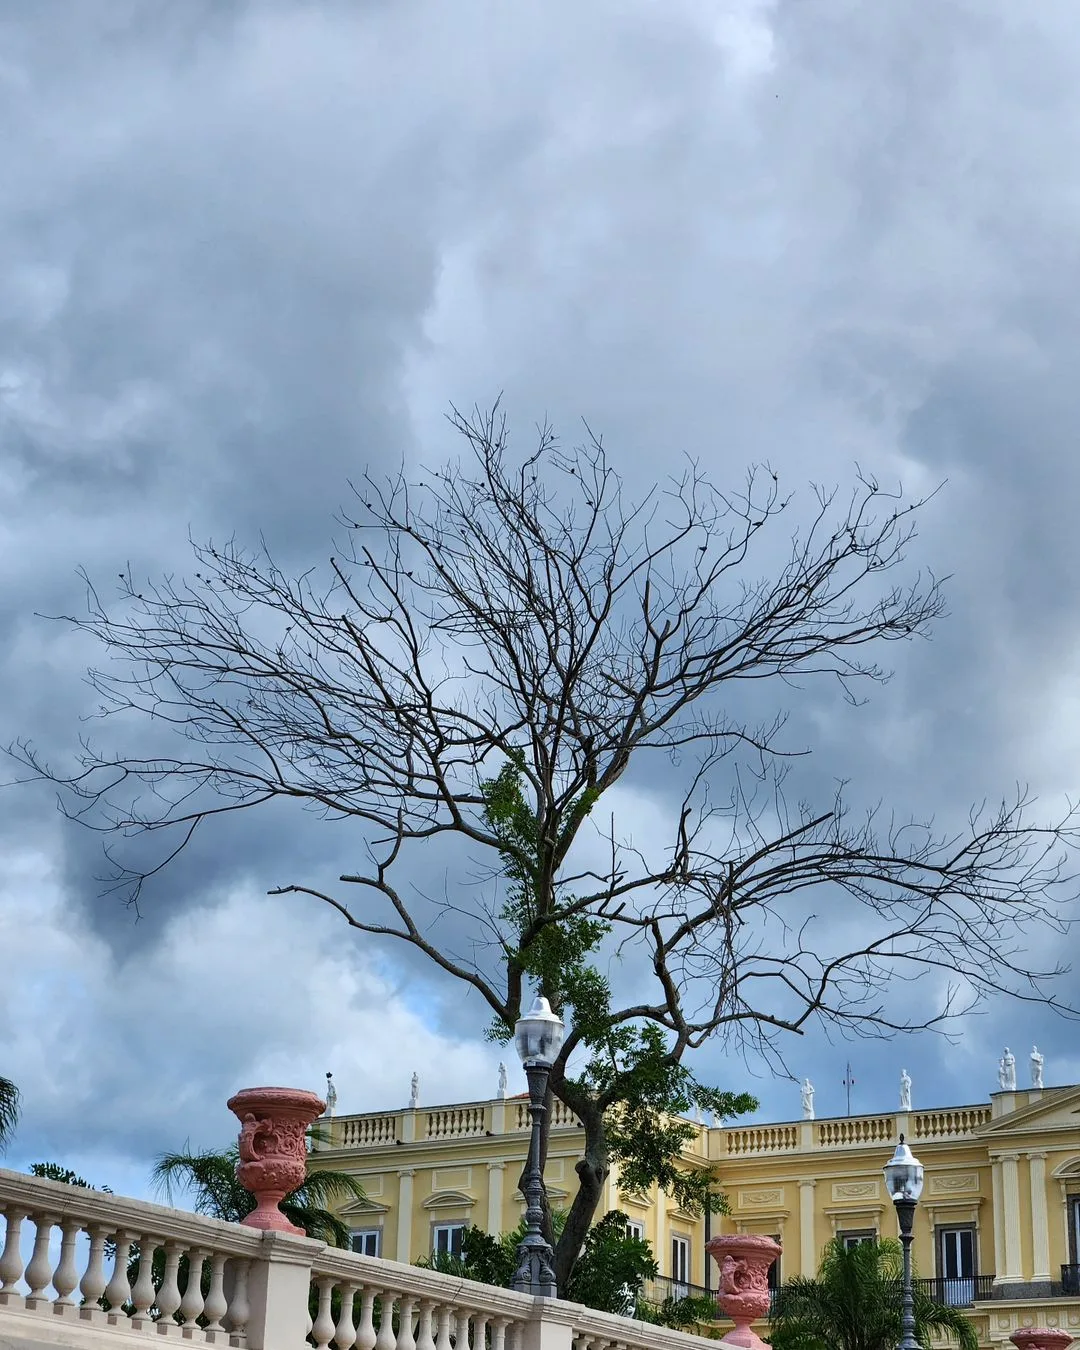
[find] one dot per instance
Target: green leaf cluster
(854, 1303)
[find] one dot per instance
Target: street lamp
(538, 1038)
(904, 1182)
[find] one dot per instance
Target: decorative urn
(744, 1260)
(273, 1148)
(1041, 1338)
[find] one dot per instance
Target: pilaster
(404, 1250)
(1010, 1196)
(495, 1198)
(807, 1246)
(1040, 1228)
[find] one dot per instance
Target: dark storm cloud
(249, 248)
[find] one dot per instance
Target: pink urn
(1041, 1338)
(743, 1292)
(273, 1148)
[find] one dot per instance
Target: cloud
(250, 248)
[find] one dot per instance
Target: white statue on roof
(1007, 1071)
(1037, 1062)
(905, 1090)
(807, 1099)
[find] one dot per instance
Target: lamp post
(538, 1038)
(904, 1181)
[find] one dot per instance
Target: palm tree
(9, 1111)
(854, 1303)
(211, 1176)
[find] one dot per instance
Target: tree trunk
(592, 1171)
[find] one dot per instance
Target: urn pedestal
(743, 1260)
(273, 1148)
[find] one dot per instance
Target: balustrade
(367, 1131)
(961, 1121)
(456, 1122)
(561, 1116)
(104, 1271)
(856, 1130)
(753, 1139)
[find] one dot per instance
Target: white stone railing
(856, 1130)
(74, 1284)
(91, 1278)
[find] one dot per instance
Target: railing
(126, 1269)
(752, 1139)
(456, 1122)
(960, 1291)
(1070, 1280)
(561, 1116)
(367, 1131)
(952, 1124)
(662, 1287)
(856, 1130)
(107, 1272)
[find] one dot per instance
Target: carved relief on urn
(744, 1260)
(273, 1148)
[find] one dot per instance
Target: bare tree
(492, 647)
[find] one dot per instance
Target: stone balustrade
(74, 1272)
(958, 1123)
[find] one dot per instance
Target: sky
(250, 247)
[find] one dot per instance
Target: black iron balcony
(959, 1291)
(1070, 1280)
(662, 1288)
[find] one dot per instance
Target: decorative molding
(451, 1178)
(754, 1199)
(407, 1172)
(855, 1190)
(496, 1167)
(449, 1200)
(948, 1183)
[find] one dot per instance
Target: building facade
(997, 1228)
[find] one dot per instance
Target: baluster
(92, 1285)
(38, 1273)
(65, 1277)
(168, 1299)
(516, 1337)
(345, 1331)
(142, 1293)
(118, 1290)
(386, 1339)
(461, 1339)
(424, 1339)
(11, 1266)
(365, 1332)
(216, 1305)
(479, 1331)
(191, 1305)
(498, 1334)
(322, 1331)
(239, 1305)
(406, 1340)
(442, 1340)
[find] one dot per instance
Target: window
(446, 1237)
(1074, 1229)
(366, 1241)
(635, 1229)
(857, 1237)
(680, 1265)
(957, 1265)
(774, 1269)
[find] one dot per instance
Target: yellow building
(997, 1228)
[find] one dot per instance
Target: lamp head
(538, 1036)
(903, 1174)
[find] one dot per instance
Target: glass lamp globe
(538, 1036)
(903, 1174)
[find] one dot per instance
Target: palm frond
(9, 1110)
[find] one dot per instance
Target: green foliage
(681, 1314)
(54, 1172)
(854, 1303)
(649, 1089)
(211, 1177)
(609, 1275)
(9, 1111)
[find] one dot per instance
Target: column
(404, 1215)
(1040, 1228)
(495, 1198)
(663, 1245)
(1010, 1194)
(807, 1246)
(999, 1220)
